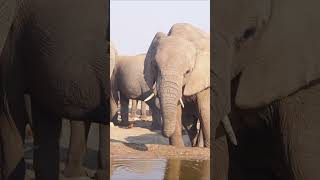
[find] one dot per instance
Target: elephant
(57, 56)
(267, 54)
(179, 65)
(78, 140)
(128, 80)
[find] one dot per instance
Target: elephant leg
(47, 128)
(124, 110)
(200, 140)
(77, 149)
(143, 111)
(190, 124)
(220, 160)
(203, 100)
(156, 115)
(299, 127)
(176, 138)
(133, 112)
(114, 107)
(103, 156)
(12, 162)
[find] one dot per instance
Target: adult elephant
(57, 56)
(272, 48)
(179, 64)
(128, 80)
(78, 140)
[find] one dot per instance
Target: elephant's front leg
(176, 138)
(77, 149)
(104, 151)
(300, 133)
(144, 116)
(47, 128)
(203, 100)
(156, 115)
(133, 114)
(220, 160)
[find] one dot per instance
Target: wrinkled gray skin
(276, 60)
(128, 80)
(78, 141)
(57, 56)
(179, 64)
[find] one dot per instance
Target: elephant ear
(150, 71)
(285, 59)
(7, 15)
(199, 78)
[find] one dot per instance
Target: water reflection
(172, 169)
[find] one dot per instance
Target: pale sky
(135, 22)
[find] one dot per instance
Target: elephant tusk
(149, 97)
(229, 130)
(181, 102)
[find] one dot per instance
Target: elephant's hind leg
(124, 110)
(47, 128)
(300, 129)
(77, 149)
(144, 116)
(133, 113)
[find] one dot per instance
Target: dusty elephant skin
(128, 80)
(57, 56)
(78, 140)
(179, 64)
(276, 58)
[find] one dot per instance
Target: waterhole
(159, 169)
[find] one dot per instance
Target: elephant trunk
(170, 92)
(221, 75)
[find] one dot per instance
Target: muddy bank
(157, 151)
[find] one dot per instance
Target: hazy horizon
(134, 23)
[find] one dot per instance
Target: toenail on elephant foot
(101, 175)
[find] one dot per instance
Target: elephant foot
(75, 172)
(101, 175)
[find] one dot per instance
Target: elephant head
(179, 64)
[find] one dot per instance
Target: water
(159, 169)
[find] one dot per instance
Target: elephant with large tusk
(179, 64)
